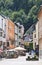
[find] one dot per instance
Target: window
(19, 31)
(0, 43)
(0, 33)
(7, 44)
(3, 43)
(35, 45)
(35, 36)
(19, 43)
(19, 36)
(5, 25)
(4, 36)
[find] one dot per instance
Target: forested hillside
(23, 11)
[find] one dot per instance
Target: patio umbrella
(11, 50)
(20, 48)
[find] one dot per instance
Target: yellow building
(38, 33)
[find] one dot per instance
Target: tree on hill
(23, 11)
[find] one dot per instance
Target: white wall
(34, 39)
(37, 33)
(22, 29)
(1, 22)
(4, 25)
(15, 37)
(16, 29)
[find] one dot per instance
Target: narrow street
(19, 61)
(20, 32)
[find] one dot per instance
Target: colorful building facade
(38, 32)
(10, 33)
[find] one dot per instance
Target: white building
(16, 35)
(19, 31)
(2, 31)
(35, 36)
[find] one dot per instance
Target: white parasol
(20, 48)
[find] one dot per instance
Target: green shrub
(31, 46)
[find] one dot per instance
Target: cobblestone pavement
(19, 61)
